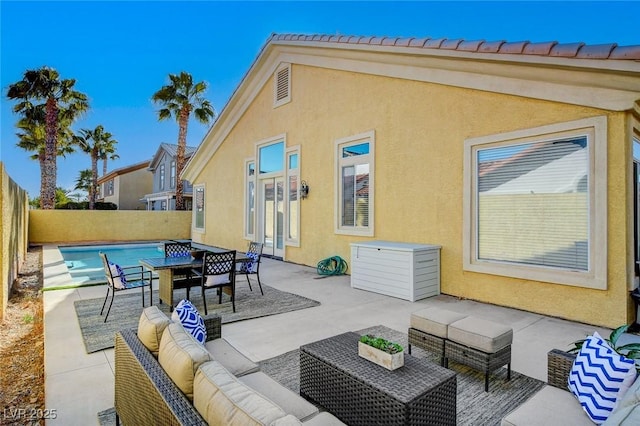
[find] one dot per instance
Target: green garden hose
(334, 265)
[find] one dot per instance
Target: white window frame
(286, 99)
(194, 221)
(596, 276)
(161, 177)
(369, 137)
(295, 242)
(172, 174)
(248, 179)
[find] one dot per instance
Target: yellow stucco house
(518, 159)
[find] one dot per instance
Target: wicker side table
(360, 392)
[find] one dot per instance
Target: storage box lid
(392, 245)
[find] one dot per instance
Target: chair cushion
(550, 406)
(627, 412)
(187, 315)
(180, 355)
(484, 335)
(150, 328)
(599, 377)
(222, 400)
(434, 321)
(291, 403)
(231, 358)
(118, 279)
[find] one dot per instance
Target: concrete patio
(79, 385)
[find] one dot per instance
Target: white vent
(282, 85)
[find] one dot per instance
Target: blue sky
(121, 52)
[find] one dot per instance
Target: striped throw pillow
(599, 377)
(191, 320)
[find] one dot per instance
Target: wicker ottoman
(481, 344)
(428, 329)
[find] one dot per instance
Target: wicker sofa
(145, 393)
(554, 405)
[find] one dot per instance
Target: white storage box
(404, 270)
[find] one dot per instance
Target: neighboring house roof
(566, 174)
(172, 151)
(123, 170)
(605, 76)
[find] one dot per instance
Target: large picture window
(534, 208)
(354, 194)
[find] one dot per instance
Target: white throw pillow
(599, 377)
(216, 279)
(187, 315)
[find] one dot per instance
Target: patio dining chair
(184, 277)
(251, 266)
(218, 272)
(119, 279)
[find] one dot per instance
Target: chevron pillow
(191, 320)
(600, 377)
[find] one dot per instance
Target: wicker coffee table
(360, 392)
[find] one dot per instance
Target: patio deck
(79, 385)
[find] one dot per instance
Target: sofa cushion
(599, 376)
(290, 402)
(627, 413)
(550, 406)
(150, 328)
(231, 358)
(222, 400)
(187, 315)
(323, 419)
(180, 355)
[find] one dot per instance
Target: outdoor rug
(126, 310)
(474, 405)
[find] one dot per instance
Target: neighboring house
(163, 167)
(516, 158)
(125, 186)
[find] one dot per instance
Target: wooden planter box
(384, 359)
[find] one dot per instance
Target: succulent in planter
(630, 350)
(382, 344)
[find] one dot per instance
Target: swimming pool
(85, 265)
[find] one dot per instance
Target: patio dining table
(166, 266)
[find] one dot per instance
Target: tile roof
(550, 48)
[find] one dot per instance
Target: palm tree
(93, 142)
(84, 182)
(108, 152)
(179, 99)
(61, 102)
(31, 137)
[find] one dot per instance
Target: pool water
(85, 265)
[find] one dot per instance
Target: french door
(272, 216)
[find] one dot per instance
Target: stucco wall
(420, 129)
(53, 226)
(14, 203)
(131, 187)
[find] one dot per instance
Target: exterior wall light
(304, 189)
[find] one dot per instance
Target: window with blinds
(534, 206)
(355, 191)
(533, 203)
(282, 85)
